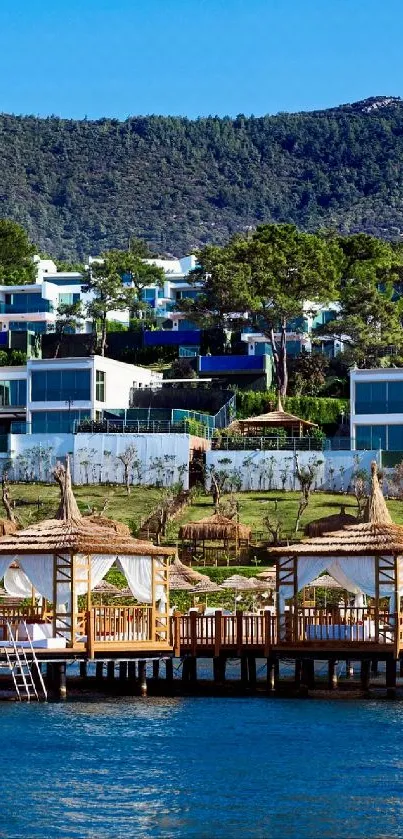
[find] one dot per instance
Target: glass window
(61, 385)
(370, 436)
(370, 397)
(395, 398)
(395, 438)
(13, 393)
(100, 386)
(56, 422)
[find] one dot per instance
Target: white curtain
(5, 561)
(17, 583)
(138, 573)
(308, 568)
(39, 570)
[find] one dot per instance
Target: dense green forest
(81, 187)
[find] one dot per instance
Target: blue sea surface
(202, 768)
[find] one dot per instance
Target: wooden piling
(99, 670)
(390, 678)
(270, 679)
(365, 672)
(110, 671)
(308, 673)
(83, 669)
(332, 674)
(349, 670)
(244, 670)
(122, 671)
(169, 669)
(156, 669)
(60, 684)
(252, 671)
(374, 667)
(297, 672)
(142, 678)
(132, 670)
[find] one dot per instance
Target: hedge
(323, 410)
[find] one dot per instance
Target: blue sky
(95, 58)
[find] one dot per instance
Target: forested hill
(81, 187)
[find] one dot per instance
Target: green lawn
(253, 506)
(122, 507)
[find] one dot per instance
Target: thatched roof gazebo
(327, 524)
(364, 557)
(68, 555)
(215, 529)
(271, 421)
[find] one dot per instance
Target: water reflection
(201, 768)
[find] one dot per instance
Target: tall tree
(133, 269)
(268, 278)
(104, 281)
(370, 312)
(16, 255)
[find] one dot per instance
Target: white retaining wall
(276, 469)
(161, 459)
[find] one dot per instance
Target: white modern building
(376, 405)
(34, 307)
(50, 395)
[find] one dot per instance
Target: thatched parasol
(325, 581)
(375, 536)
(105, 588)
(206, 587)
(70, 532)
(183, 578)
(239, 583)
(213, 529)
(267, 576)
(328, 524)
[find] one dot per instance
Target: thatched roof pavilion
(364, 557)
(68, 555)
(272, 420)
(214, 528)
(327, 524)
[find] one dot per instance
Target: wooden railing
(120, 623)
(309, 627)
(349, 625)
(193, 633)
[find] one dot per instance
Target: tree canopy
(81, 187)
(104, 280)
(370, 301)
(16, 255)
(267, 279)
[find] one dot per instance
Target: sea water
(202, 768)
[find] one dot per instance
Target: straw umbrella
(205, 587)
(183, 578)
(105, 588)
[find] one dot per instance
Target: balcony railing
(117, 426)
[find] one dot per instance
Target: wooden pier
(132, 636)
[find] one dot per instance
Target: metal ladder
(23, 663)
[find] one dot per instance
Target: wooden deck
(127, 631)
